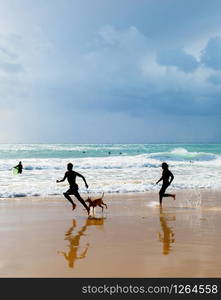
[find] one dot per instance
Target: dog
(96, 202)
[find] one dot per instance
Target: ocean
(109, 168)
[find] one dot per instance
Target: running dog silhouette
(96, 202)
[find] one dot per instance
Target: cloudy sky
(110, 71)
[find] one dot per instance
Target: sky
(110, 71)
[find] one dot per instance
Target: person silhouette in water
(71, 175)
(167, 177)
(19, 167)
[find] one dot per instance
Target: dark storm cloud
(177, 58)
(215, 78)
(211, 55)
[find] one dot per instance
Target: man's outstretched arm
(159, 180)
(79, 175)
(65, 176)
(171, 177)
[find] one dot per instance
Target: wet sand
(43, 237)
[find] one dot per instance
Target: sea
(108, 168)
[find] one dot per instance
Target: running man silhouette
(19, 167)
(71, 175)
(167, 177)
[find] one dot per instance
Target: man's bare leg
(77, 195)
(170, 195)
(70, 200)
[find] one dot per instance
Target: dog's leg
(89, 210)
(101, 207)
(104, 204)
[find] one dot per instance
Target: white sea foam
(109, 174)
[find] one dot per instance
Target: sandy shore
(42, 237)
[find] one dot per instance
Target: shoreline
(119, 194)
(133, 238)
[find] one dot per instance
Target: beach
(43, 237)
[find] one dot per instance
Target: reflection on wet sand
(167, 237)
(74, 241)
(96, 222)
